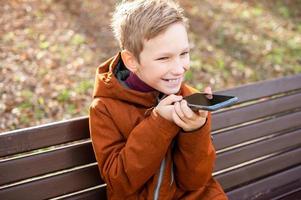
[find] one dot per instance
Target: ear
(129, 60)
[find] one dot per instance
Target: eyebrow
(170, 53)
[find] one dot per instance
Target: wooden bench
(258, 145)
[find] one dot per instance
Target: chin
(170, 91)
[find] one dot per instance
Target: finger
(203, 113)
(178, 110)
(189, 114)
(177, 120)
(170, 99)
(208, 90)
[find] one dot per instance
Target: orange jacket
(140, 154)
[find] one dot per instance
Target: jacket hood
(107, 85)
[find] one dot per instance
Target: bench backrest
(258, 150)
(48, 161)
(259, 142)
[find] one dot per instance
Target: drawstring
(151, 109)
(106, 77)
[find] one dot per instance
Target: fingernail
(208, 88)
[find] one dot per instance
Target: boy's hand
(187, 119)
(166, 108)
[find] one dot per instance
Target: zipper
(163, 163)
(171, 174)
(172, 165)
(160, 178)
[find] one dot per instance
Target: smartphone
(210, 102)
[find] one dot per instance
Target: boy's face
(165, 59)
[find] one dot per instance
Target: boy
(148, 143)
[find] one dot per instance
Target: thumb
(208, 90)
(170, 99)
(203, 113)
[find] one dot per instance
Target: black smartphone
(210, 102)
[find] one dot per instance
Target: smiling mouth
(176, 80)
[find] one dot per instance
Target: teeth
(173, 80)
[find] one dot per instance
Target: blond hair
(139, 20)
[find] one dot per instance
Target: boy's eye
(162, 58)
(184, 53)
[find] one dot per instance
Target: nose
(178, 67)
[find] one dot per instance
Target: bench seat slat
(292, 189)
(265, 88)
(55, 186)
(292, 195)
(35, 165)
(28, 139)
(259, 169)
(96, 194)
(260, 189)
(253, 131)
(255, 111)
(260, 149)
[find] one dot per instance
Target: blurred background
(49, 51)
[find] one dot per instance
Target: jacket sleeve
(194, 158)
(126, 165)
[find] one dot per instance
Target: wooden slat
(28, 139)
(263, 187)
(265, 88)
(35, 165)
(54, 186)
(255, 111)
(284, 191)
(265, 147)
(259, 169)
(97, 194)
(291, 195)
(246, 133)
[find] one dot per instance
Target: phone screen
(209, 101)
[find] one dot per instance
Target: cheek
(153, 71)
(186, 63)
(159, 68)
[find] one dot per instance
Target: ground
(49, 50)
